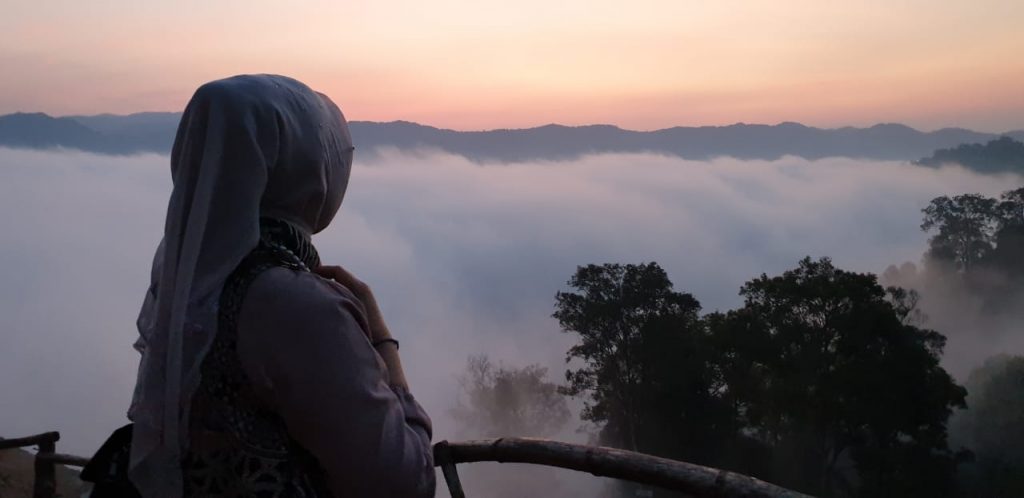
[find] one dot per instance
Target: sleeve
(303, 344)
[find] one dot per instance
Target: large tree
(1008, 255)
(640, 356)
(827, 369)
(1011, 208)
(965, 227)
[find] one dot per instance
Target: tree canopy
(624, 315)
(972, 231)
(821, 381)
(1003, 154)
(826, 367)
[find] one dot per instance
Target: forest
(1001, 155)
(826, 381)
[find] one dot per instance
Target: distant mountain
(154, 132)
(145, 131)
(997, 156)
(743, 141)
(37, 130)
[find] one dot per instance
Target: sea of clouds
(465, 258)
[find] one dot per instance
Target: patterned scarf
(285, 238)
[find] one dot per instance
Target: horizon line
(590, 125)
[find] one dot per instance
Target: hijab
(247, 147)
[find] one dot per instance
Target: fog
(976, 328)
(465, 258)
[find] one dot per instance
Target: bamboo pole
(696, 480)
(65, 459)
(443, 459)
(18, 442)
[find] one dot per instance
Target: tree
(1011, 209)
(826, 368)
(965, 225)
(502, 402)
(646, 367)
(993, 428)
(498, 401)
(978, 240)
(636, 334)
(1009, 239)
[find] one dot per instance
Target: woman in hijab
(264, 373)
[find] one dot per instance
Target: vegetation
(994, 428)
(823, 381)
(501, 402)
(632, 327)
(498, 401)
(972, 230)
(827, 370)
(1001, 155)
(820, 382)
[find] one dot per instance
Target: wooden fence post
(45, 485)
(443, 459)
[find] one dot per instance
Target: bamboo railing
(695, 480)
(46, 461)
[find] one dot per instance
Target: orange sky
(476, 64)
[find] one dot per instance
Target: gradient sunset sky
(477, 64)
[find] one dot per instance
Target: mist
(975, 329)
(464, 258)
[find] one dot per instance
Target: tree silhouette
(1008, 255)
(965, 224)
(1003, 154)
(621, 312)
(825, 367)
(501, 401)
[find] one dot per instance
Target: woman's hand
(388, 351)
(378, 329)
(346, 278)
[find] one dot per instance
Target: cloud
(465, 258)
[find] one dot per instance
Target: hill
(1003, 155)
(154, 132)
(37, 130)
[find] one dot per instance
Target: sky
(467, 65)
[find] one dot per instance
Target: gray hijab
(247, 147)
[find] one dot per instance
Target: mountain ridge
(154, 132)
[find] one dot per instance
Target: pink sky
(472, 65)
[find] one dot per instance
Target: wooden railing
(695, 480)
(46, 461)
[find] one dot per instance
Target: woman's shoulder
(293, 324)
(294, 295)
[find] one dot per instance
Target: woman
(264, 373)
